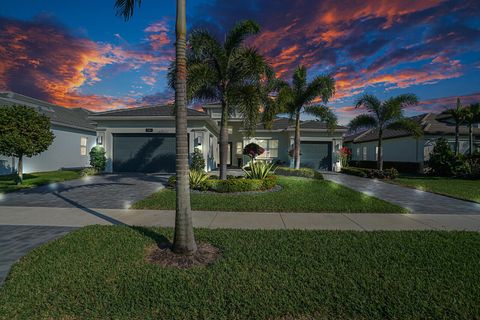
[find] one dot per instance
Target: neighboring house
(142, 139)
(318, 144)
(403, 151)
(74, 137)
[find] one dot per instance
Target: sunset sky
(79, 54)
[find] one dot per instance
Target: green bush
(259, 170)
(198, 180)
(88, 172)
(202, 181)
(98, 160)
(235, 185)
(444, 162)
(391, 173)
(172, 182)
(198, 162)
(303, 172)
(269, 182)
(359, 172)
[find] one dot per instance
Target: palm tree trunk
(224, 141)
(380, 152)
(297, 141)
(20, 170)
(184, 239)
(470, 138)
(457, 138)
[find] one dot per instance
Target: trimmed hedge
(302, 172)
(232, 184)
(391, 173)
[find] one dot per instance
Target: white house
(403, 151)
(74, 137)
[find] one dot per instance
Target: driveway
(416, 201)
(111, 191)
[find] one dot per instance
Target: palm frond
(323, 113)
(202, 82)
(247, 100)
(126, 8)
(299, 81)
(370, 102)
(321, 86)
(408, 125)
(362, 121)
(239, 33)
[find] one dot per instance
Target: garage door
(139, 152)
(316, 155)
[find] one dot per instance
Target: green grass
(7, 183)
(457, 188)
(297, 195)
(99, 272)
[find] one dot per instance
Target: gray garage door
(316, 155)
(139, 152)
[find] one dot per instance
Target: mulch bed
(164, 256)
(274, 189)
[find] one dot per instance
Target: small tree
(344, 154)
(98, 160)
(253, 150)
(23, 133)
(444, 162)
(198, 161)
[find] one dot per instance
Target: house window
(364, 153)
(358, 153)
(83, 146)
(239, 148)
(270, 146)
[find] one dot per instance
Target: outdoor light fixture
(100, 140)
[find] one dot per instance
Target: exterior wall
(404, 149)
(200, 136)
(64, 152)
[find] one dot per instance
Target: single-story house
(142, 139)
(319, 145)
(403, 151)
(74, 137)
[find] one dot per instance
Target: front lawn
(7, 183)
(99, 272)
(458, 188)
(297, 195)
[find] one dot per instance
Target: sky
(80, 54)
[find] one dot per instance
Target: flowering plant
(253, 150)
(344, 154)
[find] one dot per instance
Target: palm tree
(385, 115)
(299, 97)
(228, 72)
(472, 116)
(458, 115)
(184, 239)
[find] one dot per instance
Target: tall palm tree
(472, 116)
(184, 239)
(458, 115)
(228, 72)
(299, 97)
(385, 115)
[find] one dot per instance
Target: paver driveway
(111, 191)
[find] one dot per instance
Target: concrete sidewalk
(78, 217)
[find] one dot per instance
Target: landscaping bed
(389, 174)
(30, 180)
(101, 272)
(302, 172)
(297, 195)
(465, 189)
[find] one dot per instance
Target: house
(318, 144)
(74, 137)
(403, 151)
(142, 139)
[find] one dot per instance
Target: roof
(69, 117)
(428, 122)
(146, 111)
(285, 124)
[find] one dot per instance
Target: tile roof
(70, 117)
(147, 111)
(428, 122)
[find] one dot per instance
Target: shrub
(198, 162)
(444, 162)
(88, 172)
(235, 185)
(253, 150)
(259, 170)
(198, 180)
(344, 155)
(303, 172)
(269, 182)
(172, 182)
(391, 173)
(98, 160)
